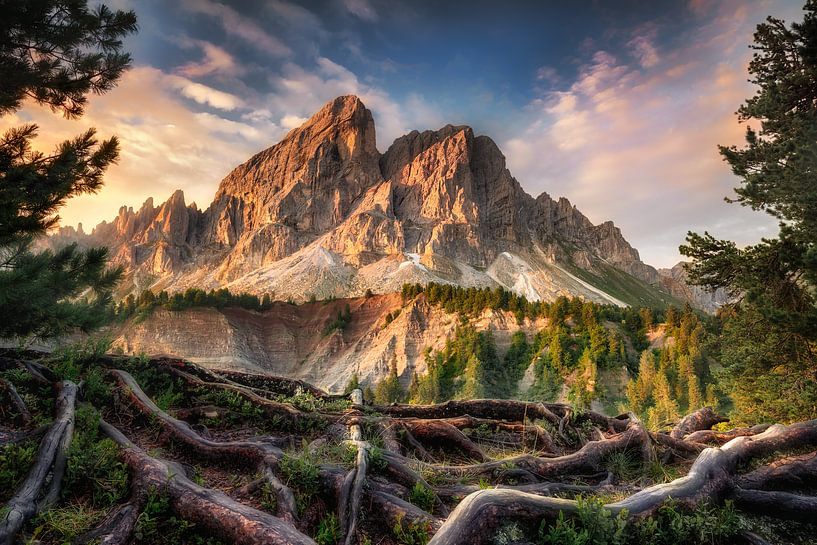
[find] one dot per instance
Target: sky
(617, 105)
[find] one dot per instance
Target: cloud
(164, 144)
(645, 51)
(637, 142)
(216, 61)
(298, 92)
(204, 94)
(240, 26)
(362, 9)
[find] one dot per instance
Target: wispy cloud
(637, 142)
(362, 9)
(238, 25)
(216, 61)
(204, 94)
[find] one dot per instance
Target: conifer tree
(770, 333)
(54, 53)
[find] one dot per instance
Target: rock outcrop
(675, 281)
(323, 213)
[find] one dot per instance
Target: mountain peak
(323, 212)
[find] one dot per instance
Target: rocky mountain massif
(323, 213)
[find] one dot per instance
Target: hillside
(290, 340)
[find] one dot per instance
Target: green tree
(774, 280)
(352, 385)
(583, 390)
(55, 53)
(665, 411)
(389, 390)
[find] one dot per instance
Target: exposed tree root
(590, 458)
(117, 527)
(796, 472)
(272, 408)
(352, 489)
(435, 446)
(263, 453)
(496, 409)
(207, 508)
(712, 472)
(702, 419)
(778, 504)
(21, 412)
(477, 517)
(722, 437)
(50, 460)
(442, 434)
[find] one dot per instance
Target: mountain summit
(323, 213)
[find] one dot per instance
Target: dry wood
(24, 504)
(712, 472)
(778, 504)
(442, 434)
(722, 437)
(207, 508)
(702, 419)
(796, 473)
(496, 409)
(272, 408)
(352, 490)
(20, 410)
(261, 452)
(590, 458)
(117, 527)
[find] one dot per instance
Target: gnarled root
(50, 460)
(208, 508)
(702, 419)
(264, 453)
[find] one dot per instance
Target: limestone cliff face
(286, 196)
(323, 213)
(287, 340)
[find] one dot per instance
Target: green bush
(593, 524)
(158, 525)
(412, 533)
(15, 462)
(422, 496)
(65, 523)
(94, 468)
(302, 474)
(328, 532)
